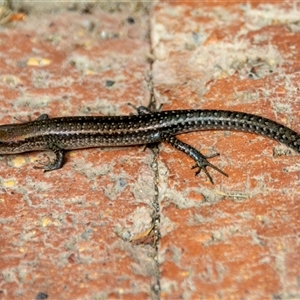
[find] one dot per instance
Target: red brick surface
(85, 231)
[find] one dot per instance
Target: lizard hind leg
(201, 160)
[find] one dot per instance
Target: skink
(66, 133)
